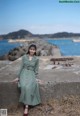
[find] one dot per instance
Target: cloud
(46, 29)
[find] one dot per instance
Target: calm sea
(67, 46)
(5, 46)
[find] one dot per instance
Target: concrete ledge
(59, 83)
(59, 90)
(9, 92)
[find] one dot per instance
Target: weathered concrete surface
(58, 82)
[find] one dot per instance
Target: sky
(39, 16)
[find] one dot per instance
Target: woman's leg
(26, 109)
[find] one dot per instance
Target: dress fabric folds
(27, 83)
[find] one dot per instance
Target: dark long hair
(32, 45)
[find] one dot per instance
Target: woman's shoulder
(26, 55)
(23, 56)
(36, 57)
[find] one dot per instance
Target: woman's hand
(15, 80)
(40, 81)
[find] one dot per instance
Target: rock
(43, 52)
(4, 57)
(43, 49)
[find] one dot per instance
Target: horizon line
(38, 33)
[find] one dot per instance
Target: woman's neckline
(28, 57)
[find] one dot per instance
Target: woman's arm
(36, 68)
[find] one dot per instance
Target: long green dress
(27, 75)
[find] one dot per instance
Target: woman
(27, 79)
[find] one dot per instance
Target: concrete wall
(9, 92)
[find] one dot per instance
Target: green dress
(27, 75)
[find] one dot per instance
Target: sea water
(67, 46)
(6, 46)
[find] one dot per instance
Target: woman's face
(32, 51)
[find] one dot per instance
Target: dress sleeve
(21, 67)
(36, 69)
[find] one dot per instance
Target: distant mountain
(24, 33)
(17, 34)
(61, 35)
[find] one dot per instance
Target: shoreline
(43, 48)
(44, 42)
(64, 38)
